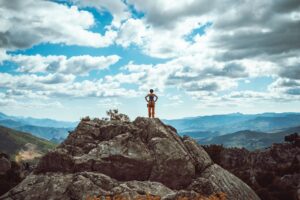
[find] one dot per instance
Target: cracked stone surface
(128, 159)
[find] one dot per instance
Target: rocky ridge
(130, 159)
(274, 172)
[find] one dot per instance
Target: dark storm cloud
(17, 40)
(286, 86)
(232, 70)
(12, 36)
(292, 72)
(204, 86)
(225, 14)
(249, 44)
(187, 74)
(58, 78)
(267, 30)
(285, 6)
(13, 4)
(161, 16)
(287, 83)
(293, 91)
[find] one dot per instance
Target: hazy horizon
(132, 118)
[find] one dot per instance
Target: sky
(67, 59)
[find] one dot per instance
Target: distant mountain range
(12, 142)
(39, 122)
(215, 125)
(244, 130)
(239, 130)
(250, 140)
(44, 128)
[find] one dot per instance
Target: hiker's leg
(149, 111)
(153, 111)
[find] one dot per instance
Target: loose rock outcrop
(130, 159)
(274, 172)
(11, 173)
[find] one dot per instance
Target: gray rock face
(223, 180)
(82, 185)
(131, 159)
(4, 165)
(275, 167)
(200, 157)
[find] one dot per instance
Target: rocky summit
(101, 159)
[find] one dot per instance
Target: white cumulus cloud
(77, 65)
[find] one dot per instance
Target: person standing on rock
(151, 98)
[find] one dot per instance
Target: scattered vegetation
(87, 118)
(216, 196)
(114, 115)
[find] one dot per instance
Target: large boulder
(228, 183)
(131, 159)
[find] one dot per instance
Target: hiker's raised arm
(146, 97)
(156, 97)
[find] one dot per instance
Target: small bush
(87, 118)
(114, 115)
